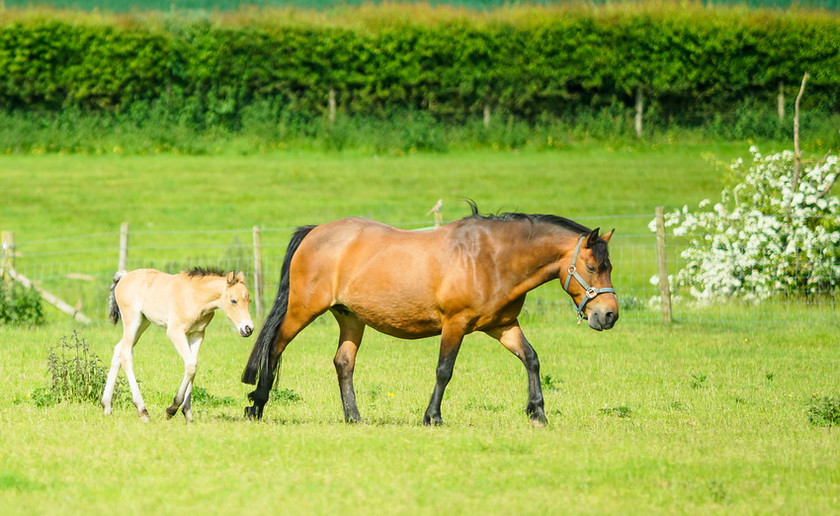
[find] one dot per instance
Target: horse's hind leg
(514, 340)
(110, 384)
(450, 343)
(350, 337)
(133, 328)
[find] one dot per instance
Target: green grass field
(709, 415)
(66, 210)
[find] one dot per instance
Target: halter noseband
(591, 292)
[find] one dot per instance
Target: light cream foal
(182, 303)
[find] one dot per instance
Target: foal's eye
(233, 301)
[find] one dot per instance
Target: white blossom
(763, 237)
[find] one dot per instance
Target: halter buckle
(592, 292)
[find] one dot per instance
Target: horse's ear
(240, 277)
(606, 238)
(592, 238)
(231, 278)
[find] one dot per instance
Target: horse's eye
(233, 301)
(591, 269)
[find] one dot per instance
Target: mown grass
(739, 443)
(710, 415)
(66, 210)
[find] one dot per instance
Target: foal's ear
(592, 238)
(606, 238)
(231, 278)
(240, 277)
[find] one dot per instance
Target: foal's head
(587, 279)
(236, 303)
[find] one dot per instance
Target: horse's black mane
(599, 250)
(200, 272)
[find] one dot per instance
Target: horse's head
(588, 281)
(236, 303)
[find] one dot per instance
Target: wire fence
(79, 269)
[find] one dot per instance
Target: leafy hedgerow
(690, 63)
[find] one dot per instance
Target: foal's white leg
(179, 339)
(127, 361)
(195, 340)
(108, 394)
(131, 333)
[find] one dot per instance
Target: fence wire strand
(81, 271)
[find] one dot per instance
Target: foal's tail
(258, 362)
(113, 309)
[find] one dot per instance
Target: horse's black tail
(113, 309)
(258, 362)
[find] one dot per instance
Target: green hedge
(690, 63)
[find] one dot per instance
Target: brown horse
(469, 275)
(182, 303)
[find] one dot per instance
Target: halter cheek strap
(591, 292)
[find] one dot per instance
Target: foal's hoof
(144, 416)
(171, 411)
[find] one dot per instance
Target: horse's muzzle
(602, 319)
(246, 330)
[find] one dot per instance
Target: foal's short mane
(599, 249)
(200, 272)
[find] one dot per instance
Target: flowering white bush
(764, 236)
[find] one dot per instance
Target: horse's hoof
(171, 412)
(253, 413)
(539, 423)
(107, 411)
(144, 416)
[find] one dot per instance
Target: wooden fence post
(332, 106)
(664, 287)
(258, 273)
(797, 154)
(486, 116)
(780, 106)
(123, 260)
(50, 298)
(640, 106)
(8, 258)
(438, 215)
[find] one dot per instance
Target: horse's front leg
(514, 340)
(195, 340)
(293, 322)
(179, 339)
(259, 396)
(450, 343)
(350, 337)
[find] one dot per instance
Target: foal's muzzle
(246, 330)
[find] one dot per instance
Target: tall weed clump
(76, 375)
